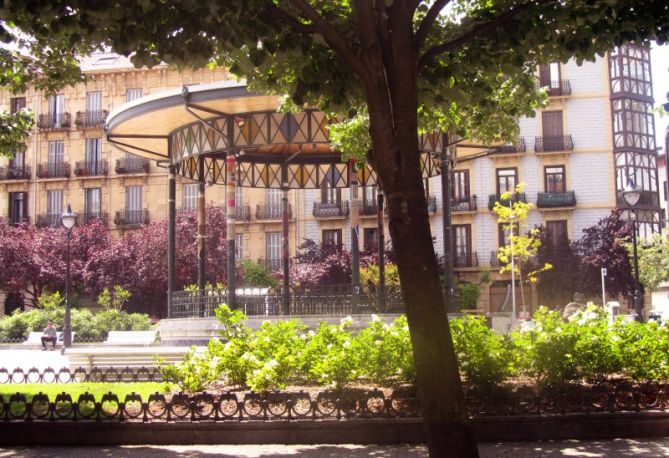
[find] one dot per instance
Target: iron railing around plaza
(334, 300)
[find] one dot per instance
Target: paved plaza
(615, 448)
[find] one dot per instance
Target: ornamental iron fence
(523, 400)
(319, 300)
(80, 375)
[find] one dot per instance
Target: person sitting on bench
(50, 335)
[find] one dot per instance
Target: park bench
(35, 339)
(120, 338)
(105, 357)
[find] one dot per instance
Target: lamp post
(68, 219)
(631, 195)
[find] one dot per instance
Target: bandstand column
(201, 229)
(285, 252)
(355, 247)
(171, 238)
(230, 215)
(382, 249)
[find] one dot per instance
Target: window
(460, 185)
(190, 192)
(18, 207)
(549, 74)
(330, 195)
(552, 123)
(56, 105)
(18, 162)
(557, 231)
(332, 237)
(371, 239)
(239, 247)
(369, 195)
(274, 249)
(56, 152)
(17, 104)
(554, 179)
(94, 155)
(462, 245)
(133, 204)
(239, 197)
(92, 204)
(133, 94)
(94, 101)
(54, 203)
(504, 231)
(272, 197)
(506, 180)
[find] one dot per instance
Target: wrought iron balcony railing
(132, 165)
(243, 213)
(91, 169)
(131, 217)
(515, 147)
(49, 220)
(271, 263)
(555, 88)
(15, 173)
(53, 170)
(16, 220)
(470, 259)
(331, 209)
(368, 208)
(494, 260)
(90, 119)
(553, 143)
(272, 211)
(517, 197)
(464, 204)
(54, 121)
(103, 217)
(431, 203)
(556, 199)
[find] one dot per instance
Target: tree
(512, 214)
(465, 67)
(556, 286)
(653, 262)
(320, 264)
(603, 246)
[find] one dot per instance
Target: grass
(75, 389)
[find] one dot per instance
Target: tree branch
(481, 29)
(334, 39)
(292, 21)
(428, 21)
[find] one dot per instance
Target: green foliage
(653, 261)
(50, 301)
(114, 299)
(258, 275)
(194, 373)
(327, 356)
(370, 274)
(643, 349)
(14, 130)
(468, 294)
(484, 355)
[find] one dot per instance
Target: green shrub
(644, 350)
(326, 358)
(484, 356)
(194, 373)
(14, 326)
(258, 275)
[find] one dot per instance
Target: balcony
(90, 119)
(559, 88)
(49, 220)
(91, 169)
(517, 197)
(54, 121)
(53, 170)
(331, 209)
(463, 260)
(93, 216)
(556, 199)
(272, 211)
(132, 165)
(431, 204)
(647, 199)
(272, 264)
(17, 220)
(494, 260)
(512, 148)
(553, 143)
(131, 218)
(243, 213)
(15, 173)
(368, 208)
(464, 204)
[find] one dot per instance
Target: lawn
(75, 389)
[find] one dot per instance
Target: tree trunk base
(452, 440)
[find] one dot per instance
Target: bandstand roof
(196, 127)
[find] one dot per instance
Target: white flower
(303, 336)
(346, 344)
(375, 317)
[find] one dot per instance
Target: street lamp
(68, 219)
(631, 195)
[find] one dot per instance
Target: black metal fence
(321, 300)
(80, 375)
(611, 397)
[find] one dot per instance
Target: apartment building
(575, 157)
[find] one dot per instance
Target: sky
(659, 59)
